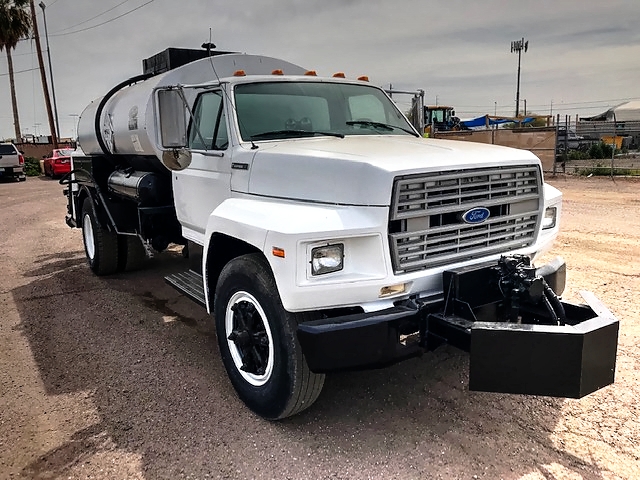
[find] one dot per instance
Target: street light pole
(53, 88)
(518, 46)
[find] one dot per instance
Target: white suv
(11, 162)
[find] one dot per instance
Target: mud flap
(560, 361)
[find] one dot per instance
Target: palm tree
(15, 24)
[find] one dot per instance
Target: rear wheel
(258, 341)
(131, 253)
(100, 245)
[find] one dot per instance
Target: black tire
(100, 245)
(22, 179)
(131, 253)
(276, 382)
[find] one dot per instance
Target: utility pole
(53, 88)
(518, 46)
(43, 77)
(613, 145)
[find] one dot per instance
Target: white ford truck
(324, 233)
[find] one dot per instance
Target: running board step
(190, 283)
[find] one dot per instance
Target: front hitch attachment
(521, 337)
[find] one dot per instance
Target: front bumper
(572, 360)
(364, 340)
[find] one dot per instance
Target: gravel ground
(120, 377)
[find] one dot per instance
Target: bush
(577, 155)
(607, 150)
(601, 150)
(595, 151)
(31, 167)
(599, 170)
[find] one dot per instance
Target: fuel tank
(146, 188)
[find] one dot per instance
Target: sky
(583, 55)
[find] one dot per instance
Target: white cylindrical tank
(127, 125)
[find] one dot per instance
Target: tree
(15, 24)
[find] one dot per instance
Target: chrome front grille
(426, 227)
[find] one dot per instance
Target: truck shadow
(147, 362)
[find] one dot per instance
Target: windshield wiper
(298, 133)
(380, 125)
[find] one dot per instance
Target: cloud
(456, 50)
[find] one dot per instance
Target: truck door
(205, 184)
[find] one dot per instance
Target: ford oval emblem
(476, 215)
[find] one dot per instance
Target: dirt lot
(120, 377)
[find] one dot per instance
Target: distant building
(623, 119)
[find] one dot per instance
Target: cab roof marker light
(277, 252)
(311, 73)
(239, 73)
(338, 75)
(363, 78)
(277, 71)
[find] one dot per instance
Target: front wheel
(258, 342)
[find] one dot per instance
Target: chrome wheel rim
(87, 233)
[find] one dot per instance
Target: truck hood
(359, 170)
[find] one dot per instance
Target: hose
(553, 304)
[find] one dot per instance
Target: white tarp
(626, 112)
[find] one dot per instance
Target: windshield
(65, 152)
(275, 110)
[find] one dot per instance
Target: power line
(92, 18)
(20, 71)
(596, 101)
(558, 108)
(103, 23)
(23, 54)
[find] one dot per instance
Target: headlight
(327, 259)
(549, 220)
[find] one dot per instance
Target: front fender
(265, 224)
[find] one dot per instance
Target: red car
(58, 163)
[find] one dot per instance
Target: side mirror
(172, 123)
